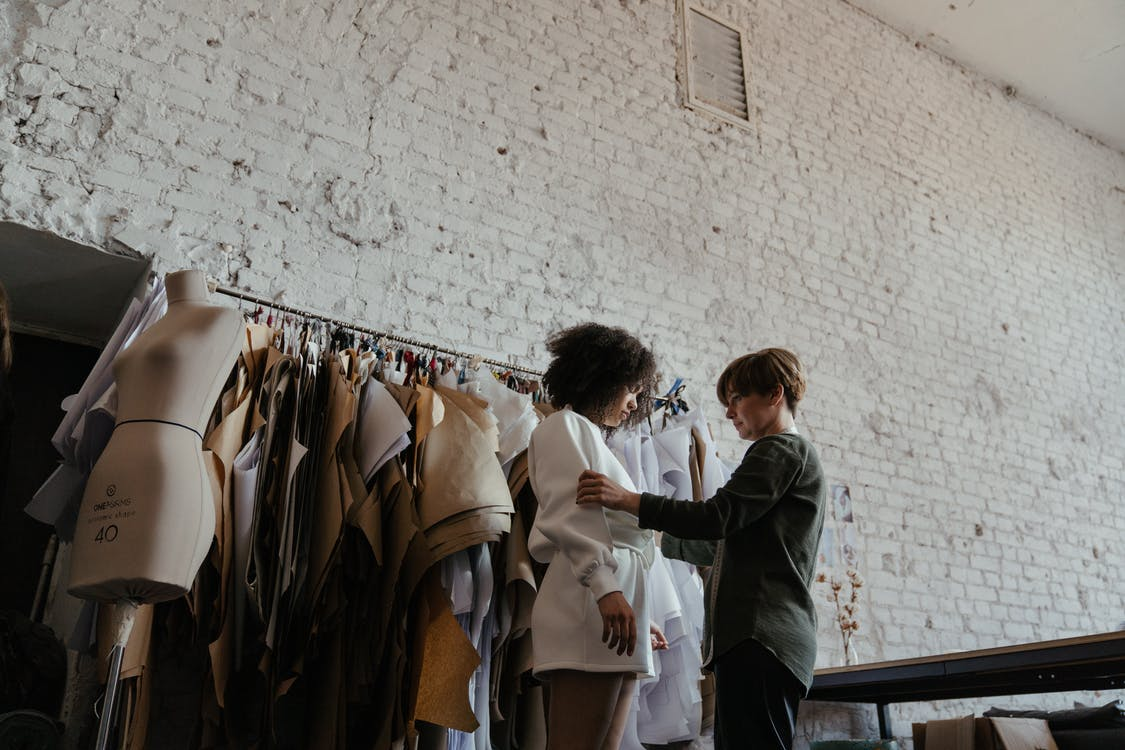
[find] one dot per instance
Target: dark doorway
(44, 372)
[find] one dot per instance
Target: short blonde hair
(762, 372)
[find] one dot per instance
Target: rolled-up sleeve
(561, 449)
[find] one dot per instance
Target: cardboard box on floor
(968, 733)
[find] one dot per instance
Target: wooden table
(1093, 662)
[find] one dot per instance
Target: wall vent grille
(717, 71)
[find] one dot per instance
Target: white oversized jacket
(591, 552)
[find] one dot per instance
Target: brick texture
(947, 261)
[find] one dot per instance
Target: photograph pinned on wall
(842, 503)
(827, 555)
(849, 546)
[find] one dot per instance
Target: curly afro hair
(591, 364)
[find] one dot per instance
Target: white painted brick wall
(948, 262)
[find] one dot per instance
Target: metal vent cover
(716, 61)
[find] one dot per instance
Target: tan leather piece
(447, 664)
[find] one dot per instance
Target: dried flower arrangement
(847, 607)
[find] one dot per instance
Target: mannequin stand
(124, 614)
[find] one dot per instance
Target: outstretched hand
(598, 489)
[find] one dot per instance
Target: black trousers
(756, 699)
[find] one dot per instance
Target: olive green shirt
(767, 521)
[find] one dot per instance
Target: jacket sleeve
(579, 532)
(764, 476)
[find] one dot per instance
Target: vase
(850, 656)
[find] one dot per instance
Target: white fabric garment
(88, 422)
(591, 551)
(392, 375)
(712, 472)
(673, 454)
(636, 450)
(483, 627)
(382, 429)
(459, 581)
(515, 415)
(477, 618)
(670, 707)
(244, 478)
(448, 379)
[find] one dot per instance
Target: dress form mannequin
(148, 515)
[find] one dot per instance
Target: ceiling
(64, 290)
(1064, 56)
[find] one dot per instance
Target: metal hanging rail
(268, 303)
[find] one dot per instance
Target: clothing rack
(268, 303)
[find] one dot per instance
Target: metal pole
(39, 604)
(884, 722)
(267, 302)
(124, 613)
(109, 707)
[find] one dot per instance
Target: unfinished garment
(470, 582)
(382, 641)
(270, 652)
(463, 498)
(590, 552)
(445, 663)
(382, 429)
(671, 707)
(219, 596)
(341, 500)
(148, 513)
(516, 417)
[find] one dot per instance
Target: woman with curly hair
(760, 532)
(584, 622)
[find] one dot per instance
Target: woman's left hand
(598, 489)
(656, 635)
